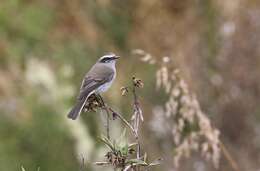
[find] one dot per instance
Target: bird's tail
(76, 110)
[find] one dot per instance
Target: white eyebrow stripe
(107, 56)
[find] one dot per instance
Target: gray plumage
(97, 80)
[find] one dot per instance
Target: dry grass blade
(106, 141)
(101, 163)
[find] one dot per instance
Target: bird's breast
(106, 86)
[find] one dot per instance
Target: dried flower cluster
(124, 155)
(191, 129)
(92, 104)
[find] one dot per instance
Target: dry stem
(104, 106)
(123, 120)
(228, 157)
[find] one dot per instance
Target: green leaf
(106, 141)
(124, 150)
(122, 140)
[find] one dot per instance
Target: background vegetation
(46, 46)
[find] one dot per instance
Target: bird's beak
(116, 57)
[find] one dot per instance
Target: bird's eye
(105, 60)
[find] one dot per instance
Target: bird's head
(108, 58)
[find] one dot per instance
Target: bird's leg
(107, 111)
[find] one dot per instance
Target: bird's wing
(90, 83)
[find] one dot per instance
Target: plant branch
(123, 120)
(228, 157)
(121, 157)
(137, 83)
(104, 106)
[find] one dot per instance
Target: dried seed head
(184, 110)
(92, 104)
(144, 56)
(124, 91)
(138, 82)
(166, 59)
(138, 52)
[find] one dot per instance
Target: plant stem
(137, 113)
(228, 157)
(107, 112)
(123, 120)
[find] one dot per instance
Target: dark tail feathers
(76, 110)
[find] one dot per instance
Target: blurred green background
(46, 46)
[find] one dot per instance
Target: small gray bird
(99, 78)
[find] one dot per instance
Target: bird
(97, 80)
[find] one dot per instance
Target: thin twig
(104, 106)
(109, 109)
(123, 120)
(82, 165)
(228, 156)
(102, 163)
(137, 113)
